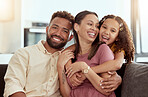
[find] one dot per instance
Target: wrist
(86, 70)
(60, 67)
(83, 65)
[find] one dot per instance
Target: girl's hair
(78, 18)
(124, 39)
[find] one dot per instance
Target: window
(139, 21)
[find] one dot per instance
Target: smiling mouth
(57, 38)
(92, 34)
(104, 37)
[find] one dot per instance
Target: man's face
(58, 32)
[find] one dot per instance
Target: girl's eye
(113, 31)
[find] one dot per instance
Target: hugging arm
(113, 65)
(62, 60)
(109, 84)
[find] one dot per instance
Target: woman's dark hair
(78, 18)
(125, 39)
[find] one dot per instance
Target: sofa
(134, 80)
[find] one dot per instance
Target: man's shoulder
(27, 49)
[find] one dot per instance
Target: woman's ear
(76, 27)
(98, 31)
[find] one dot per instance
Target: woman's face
(109, 31)
(87, 30)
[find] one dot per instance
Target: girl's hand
(64, 57)
(75, 67)
(74, 80)
(112, 83)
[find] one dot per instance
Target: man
(32, 71)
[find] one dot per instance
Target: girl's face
(87, 30)
(109, 31)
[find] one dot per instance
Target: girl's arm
(111, 65)
(62, 60)
(89, 73)
(103, 54)
(114, 65)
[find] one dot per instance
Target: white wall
(10, 32)
(27, 11)
(41, 10)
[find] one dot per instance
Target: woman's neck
(84, 48)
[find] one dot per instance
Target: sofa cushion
(135, 80)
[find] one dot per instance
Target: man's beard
(54, 44)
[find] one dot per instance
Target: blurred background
(23, 22)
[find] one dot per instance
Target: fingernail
(100, 84)
(101, 81)
(102, 87)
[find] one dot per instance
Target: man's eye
(65, 31)
(54, 27)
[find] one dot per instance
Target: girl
(115, 33)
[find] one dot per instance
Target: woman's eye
(89, 24)
(104, 27)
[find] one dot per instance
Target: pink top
(86, 89)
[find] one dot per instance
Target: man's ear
(47, 29)
(71, 37)
(76, 27)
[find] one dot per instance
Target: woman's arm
(72, 48)
(63, 59)
(111, 65)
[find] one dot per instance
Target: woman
(86, 31)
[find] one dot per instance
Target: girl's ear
(76, 27)
(117, 39)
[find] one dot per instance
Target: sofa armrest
(135, 80)
(3, 68)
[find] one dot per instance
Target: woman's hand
(64, 57)
(75, 67)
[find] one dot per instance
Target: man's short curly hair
(63, 14)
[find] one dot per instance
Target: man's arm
(15, 77)
(18, 94)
